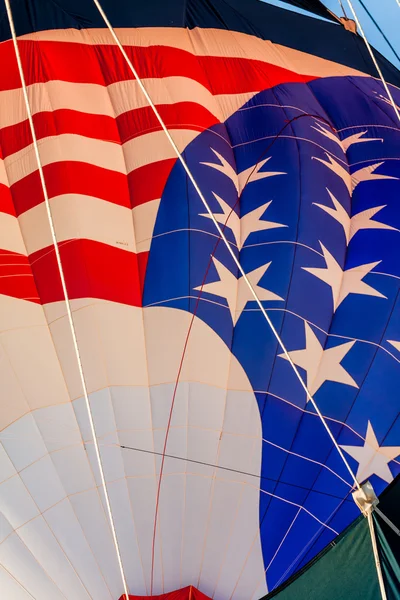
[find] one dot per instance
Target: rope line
(385, 85)
(66, 296)
(228, 246)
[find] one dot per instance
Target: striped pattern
(105, 157)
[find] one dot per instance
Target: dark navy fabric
(327, 40)
(353, 106)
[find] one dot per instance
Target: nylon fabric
(297, 156)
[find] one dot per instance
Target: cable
(376, 555)
(385, 85)
(64, 287)
(224, 239)
(343, 9)
(379, 28)
(231, 252)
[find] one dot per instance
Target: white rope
(376, 555)
(385, 85)
(387, 521)
(222, 235)
(64, 287)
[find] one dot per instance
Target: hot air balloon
(200, 315)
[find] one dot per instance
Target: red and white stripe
(105, 158)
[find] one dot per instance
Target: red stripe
(16, 277)
(103, 65)
(148, 182)
(182, 115)
(91, 270)
(49, 124)
(6, 200)
(142, 185)
(71, 178)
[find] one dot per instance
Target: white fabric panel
(143, 493)
(202, 508)
(161, 398)
(125, 522)
(54, 95)
(198, 489)
(237, 559)
(16, 558)
(42, 481)
(11, 388)
(11, 238)
(170, 524)
(90, 513)
(16, 503)
(111, 344)
(58, 426)
(41, 542)
(31, 353)
(138, 464)
(152, 147)
(65, 526)
(73, 469)
(206, 406)
(225, 498)
(202, 447)
(77, 216)
(144, 218)
(5, 528)
(241, 413)
(11, 588)
(7, 469)
(23, 442)
(132, 409)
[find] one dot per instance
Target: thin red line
(191, 325)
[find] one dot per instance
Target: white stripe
(11, 238)
(77, 216)
(137, 152)
(3, 174)
(112, 100)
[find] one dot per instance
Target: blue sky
(385, 12)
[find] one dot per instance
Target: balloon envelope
(219, 472)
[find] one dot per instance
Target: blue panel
(300, 465)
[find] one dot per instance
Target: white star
(352, 181)
(321, 365)
(395, 344)
(357, 138)
(241, 179)
(342, 282)
(236, 291)
(373, 459)
(368, 174)
(242, 227)
(354, 224)
(347, 142)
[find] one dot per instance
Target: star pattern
(321, 365)
(236, 291)
(356, 138)
(362, 220)
(351, 181)
(343, 282)
(395, 344)
(240, 180)
(243, 226)
(373, 459)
